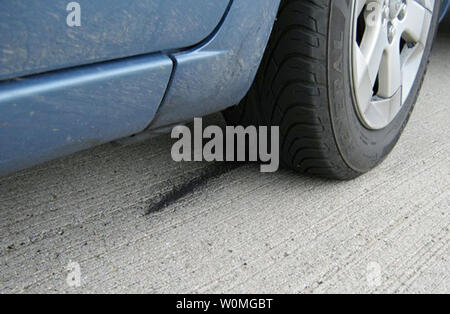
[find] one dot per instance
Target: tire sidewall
(362, 149)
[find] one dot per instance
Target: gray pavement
(239, 231)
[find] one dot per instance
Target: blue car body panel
(171, 61)
(35, 38)
(56, 114)
(219, 73)
(444, 9)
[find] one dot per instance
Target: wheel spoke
(411, 57)
(363, 81)
(413, 23)
(382, 111)
(367, 59)
(372, 47)
(390, 74)
(377, 117)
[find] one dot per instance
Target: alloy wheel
(388, 43)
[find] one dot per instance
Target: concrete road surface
(134, 221)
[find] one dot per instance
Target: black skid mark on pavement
(200, 179)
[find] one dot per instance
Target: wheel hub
(389, 39)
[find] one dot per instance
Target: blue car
(339, 78)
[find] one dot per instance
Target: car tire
(306, 86)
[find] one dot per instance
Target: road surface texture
(135, 221)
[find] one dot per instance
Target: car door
(37, 35)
